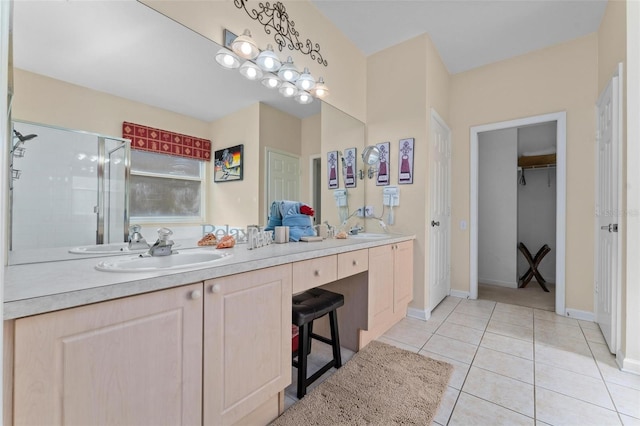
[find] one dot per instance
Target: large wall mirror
(89, 66)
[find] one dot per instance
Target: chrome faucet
(162, 247)
(355, 229)
(136, 240)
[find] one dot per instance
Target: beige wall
(310, 146)
(236, 203)
(559, 78)
(345, 70)
(612, 41)
(397, 108)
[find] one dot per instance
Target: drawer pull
(195, 294)
(215, 288)
(316, 273)
(355, 263)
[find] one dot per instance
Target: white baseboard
(420, 314)
(627, 364)
(581, 315)
(460, 294)
(498, 283)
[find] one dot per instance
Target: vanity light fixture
(271, 81)
(266, 67)
(305, 81)
(250, 71)
(268, 60)
(244, 46)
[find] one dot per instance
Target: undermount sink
(179, 260)
(368, 235)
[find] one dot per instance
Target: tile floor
(516, 365)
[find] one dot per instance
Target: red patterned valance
(147, 138)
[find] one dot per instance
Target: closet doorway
(518, 195)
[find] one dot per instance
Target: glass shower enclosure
(68, 187)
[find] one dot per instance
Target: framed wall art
(229, 164)
(405, 161)
(350, 167)
(332, 169)
(383, 169)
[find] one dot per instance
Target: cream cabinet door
(247, 342)
(381, 276)
(131, 361)
(403, 276)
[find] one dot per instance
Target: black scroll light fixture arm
(274, 18)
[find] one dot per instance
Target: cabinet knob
(316, 273)
(355, 263)
(195, 294)
(215, 288)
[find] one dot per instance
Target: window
(165, 188)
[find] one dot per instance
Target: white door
(283, 177)
(607, 209)
(439, 220)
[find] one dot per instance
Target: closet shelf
(537, 161)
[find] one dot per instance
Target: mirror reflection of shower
(18, 151)
(72, 188)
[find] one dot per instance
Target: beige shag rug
(380, 385)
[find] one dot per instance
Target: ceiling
(140, 54)
(467, 33)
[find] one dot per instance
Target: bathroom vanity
(207, 345)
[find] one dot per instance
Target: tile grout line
(471, 365)
(606, 386)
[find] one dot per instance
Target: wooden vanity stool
(307, 307)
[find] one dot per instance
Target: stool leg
(335, 338)
(310, 337)
(303, 344)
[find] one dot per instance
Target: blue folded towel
(299, 226)
(287, 213)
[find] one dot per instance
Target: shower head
(23, 138)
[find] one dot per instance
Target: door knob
(612, 227)
(434, 223)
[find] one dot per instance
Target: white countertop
(36, 288)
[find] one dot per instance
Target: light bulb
(251, 73)
(271, 81)
(288, 90)
(245, 48)
(228, 60)
(269, 63)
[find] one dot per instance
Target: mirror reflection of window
(165, 187)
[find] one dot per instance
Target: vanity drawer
(314, 273)
(352, 263)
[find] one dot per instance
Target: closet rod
(543, 167)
